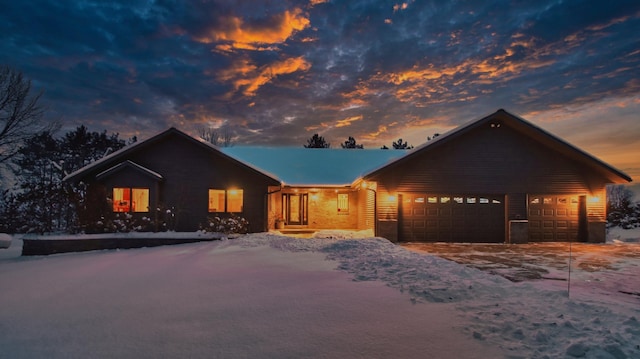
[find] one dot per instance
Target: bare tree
(20, 114)
(217, 137)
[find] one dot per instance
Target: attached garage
(426, 217)
(496, 179)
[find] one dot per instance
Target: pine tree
(317, 141)
(400, 145)
(351, 143)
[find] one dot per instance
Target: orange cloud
(271, 71)
(347, 121)
(235, 33)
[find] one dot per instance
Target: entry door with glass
(295, 207)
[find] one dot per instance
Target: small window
(471, 200)
(496, 201)
(562, 200)
(458, 200)
(230, 201)
(140, 201)
(343, 203)
(432, 199)
(419, 200)
(535, 200)
(235, 200)
(574, 200)
(445, 199)
(130, 199)
(547, 200)
(216, 200)
(484, 200)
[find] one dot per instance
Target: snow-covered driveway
(271, 296)
(230, 299)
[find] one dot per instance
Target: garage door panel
(553, 218)
(450, 217)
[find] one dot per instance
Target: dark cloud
(277, 72)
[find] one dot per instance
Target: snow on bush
(227, 225)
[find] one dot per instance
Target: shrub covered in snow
(231, 224)
(163, 220)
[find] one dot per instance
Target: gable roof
(129, 164)
(525, 127)
(119, 156)
(311, 167)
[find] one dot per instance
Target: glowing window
(458, 199)
(343, 202)
(496, 201)
(121, 199)
(130, 199)
(235, 200)
(445, 199)
(471, 200)
(419, 200)
(230, 201)
(535, 200)
(140, 200)
(547, 200)
(216, 200)
(484, 200)
(432, 199)
(562, 200)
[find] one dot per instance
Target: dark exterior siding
(490, 160)
(189, 169)
(495, 156)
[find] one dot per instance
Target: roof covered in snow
(311, 166)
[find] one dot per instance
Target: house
(179, 173)
(496, 179)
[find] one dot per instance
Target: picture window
(127, 199)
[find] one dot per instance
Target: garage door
(553, 218)
(428, 217)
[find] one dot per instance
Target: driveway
(611, 267)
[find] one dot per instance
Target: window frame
(226, 195)
(128, 194)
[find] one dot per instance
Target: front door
(295, 206)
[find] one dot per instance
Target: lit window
(230, 201)
(130, 199)
(121, 199)
(419, 200)
(496, 201)
(234, 200)
(471, 200)
(140, 200)
(445, 199)
(458, 199)
(547, 200)
(484, 200)
(562, 200)
(343, 202)
(432, 199)
(216, 200)
(535, 200)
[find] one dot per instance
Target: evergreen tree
(41, 203)
(317, 141)
(351, 143)
(400, 145)
(622, 211)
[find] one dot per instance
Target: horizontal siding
(490, 160)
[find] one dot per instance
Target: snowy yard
(270, 296)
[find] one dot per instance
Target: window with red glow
(130, 199)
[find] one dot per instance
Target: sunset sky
(276, 72)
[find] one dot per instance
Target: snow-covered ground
(270, 296)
